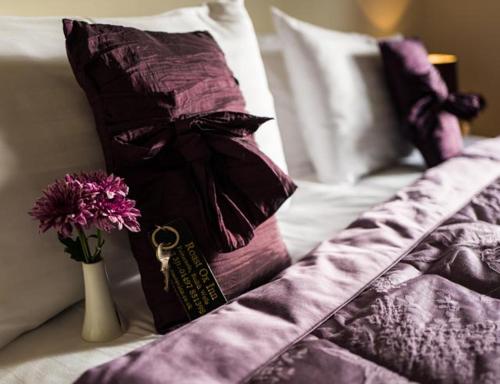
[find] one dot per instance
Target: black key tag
(186, 269)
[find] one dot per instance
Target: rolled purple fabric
(172, 122)
(427, 110)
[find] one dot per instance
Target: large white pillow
(47, 130)
(348, 121)
(297, 157)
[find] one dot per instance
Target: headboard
(91, 7)
(339, 14)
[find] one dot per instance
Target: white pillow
(349, 124)
(297, 157)
(47, 130)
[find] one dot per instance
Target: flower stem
(98, 248)
(99, 237)
(85, 246)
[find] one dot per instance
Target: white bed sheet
(54, 352)
(318, 211)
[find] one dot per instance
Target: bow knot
(237, 186)
(189, 142)
(424, 112)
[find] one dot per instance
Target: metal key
(163, 255)
(164, 250)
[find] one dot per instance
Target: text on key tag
(185, 269)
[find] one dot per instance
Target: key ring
(165, 246)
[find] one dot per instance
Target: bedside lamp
(447, 66)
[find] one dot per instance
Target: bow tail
(249, 179)
(228, 225)
(464, 105)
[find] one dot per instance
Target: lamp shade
(447, 66)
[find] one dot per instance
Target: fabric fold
(221, 155)
(464, 105)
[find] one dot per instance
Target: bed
(54, 352)
(56, 347)
(373, 295)
(408, 292)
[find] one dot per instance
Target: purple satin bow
(465, 106)
(424, 112)
(237, 185)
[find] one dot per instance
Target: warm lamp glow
(385, 15)
(446, 64)
(441, 58)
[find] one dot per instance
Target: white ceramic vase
(101, 322)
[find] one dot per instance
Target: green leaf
(73, 247)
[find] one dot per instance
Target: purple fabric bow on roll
(427, 109)
(235, 183)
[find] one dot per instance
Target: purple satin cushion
(427, 109)
(172, 122)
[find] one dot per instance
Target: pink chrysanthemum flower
(80, 201)
(62, 207)
(109, 202)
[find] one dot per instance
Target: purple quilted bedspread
(409, 292)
